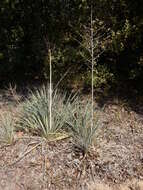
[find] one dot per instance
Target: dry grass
(7, 125)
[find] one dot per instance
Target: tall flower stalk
(92, 66)
(50, 106)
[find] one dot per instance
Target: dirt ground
(114, 162)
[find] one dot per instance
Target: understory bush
(102, 76)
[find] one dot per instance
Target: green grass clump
(68, 115)
(35, 116)
(82, 129)
(7, 124)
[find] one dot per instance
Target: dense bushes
(27, 26)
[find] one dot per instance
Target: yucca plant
(35, 116)
(81, 126)
(7, 124)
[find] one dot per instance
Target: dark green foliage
(26, 27)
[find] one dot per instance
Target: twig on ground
(21, 157)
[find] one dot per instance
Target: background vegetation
(28, 26)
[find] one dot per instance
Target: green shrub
(7, 124)
(102, 76)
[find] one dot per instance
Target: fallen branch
(21, 157)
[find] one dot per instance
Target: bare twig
(23, 156)
(62, 78)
